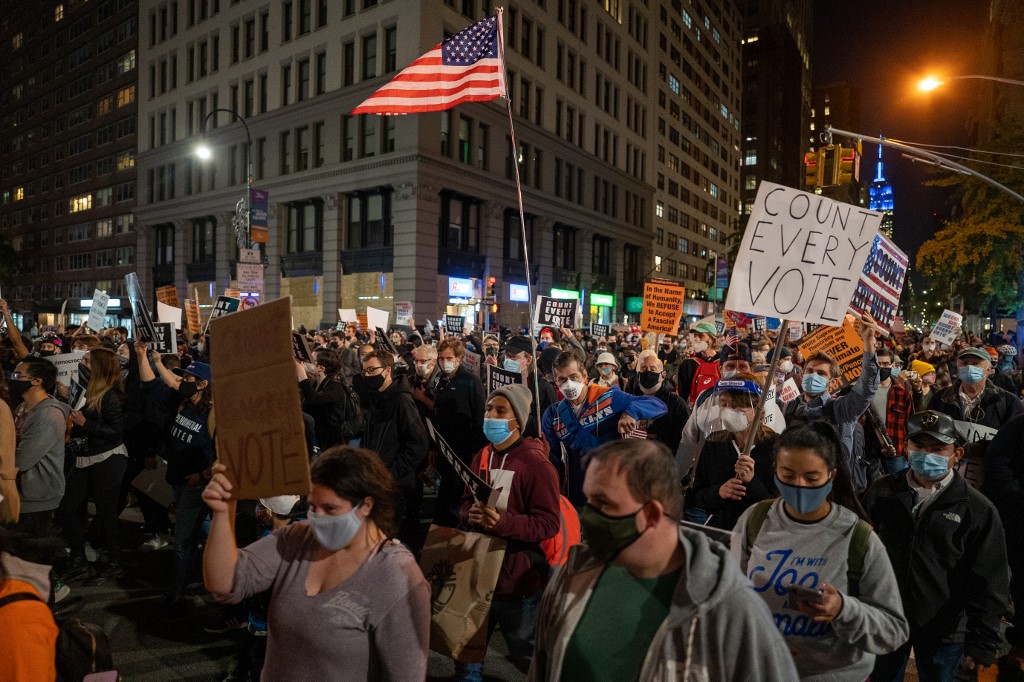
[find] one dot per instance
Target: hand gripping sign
(801, 257)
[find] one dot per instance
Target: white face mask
(424, 368)
(786, 366)
(734, 421)
(335, 532)
(699, 346)
(449, 366)
(729, 373)
(572, 389)
(928, 346)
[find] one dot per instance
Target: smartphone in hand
(801, 593)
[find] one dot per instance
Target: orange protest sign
(195, 326)
(663, 305)
(168, 295)
(842, 344)
(260, 434)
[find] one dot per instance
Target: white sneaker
(60, 592)
(154, 543)
(90, 553)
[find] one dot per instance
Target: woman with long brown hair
(100, 460)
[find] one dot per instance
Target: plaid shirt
(898, 409)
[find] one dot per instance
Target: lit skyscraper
(881, 197)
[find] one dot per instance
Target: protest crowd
(603, 485)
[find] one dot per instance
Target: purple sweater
(351, 632)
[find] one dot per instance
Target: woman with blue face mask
(820, 568)
(345, 596)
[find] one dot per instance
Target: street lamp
(930, 83)
(243, 209)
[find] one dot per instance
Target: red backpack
(708, 374)
(556, 548)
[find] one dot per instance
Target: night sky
(884, 48)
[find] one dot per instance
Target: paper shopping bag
(462, 569)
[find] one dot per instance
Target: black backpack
(345, 417)
(82, 648)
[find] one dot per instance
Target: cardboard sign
(481, 491)
(947, 329)
(377, 318)
(67, 366)
(249, 277)
(599, 330)
(225, 305)
(153, 484)
(663, 304)
(192, 317)
(168, 295)
(471, 361)
(260, 433)
(801, 256)
(142, 322)
(842, 344)
(556, 312)
(897, 325)
(232, 292)
(789, 390)
(166, 313)
(881, 283)
(165, 340)
(971, 468)
(347, 315)
(403, 313)
(498, 377)
(454, 324)
(98, 310)
(384, 342)
(300, 348)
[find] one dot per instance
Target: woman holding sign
(348, 602)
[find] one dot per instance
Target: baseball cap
(979, 353)
(705, 328)
(606, 359)
(199, 370)
(935, 424)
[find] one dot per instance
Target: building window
(305, 226)
(369, 218)
(163, 244)
(602, 260)
(369, 56)
(321, 73)
(460, 221)
(513, 234)
(204, 239)
(303, 92)
(390, 49)
(564, 255)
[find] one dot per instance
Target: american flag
(732, 337)
(465, 68)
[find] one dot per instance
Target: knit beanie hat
(520, 398)
(922, 367)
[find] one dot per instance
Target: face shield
(730, 408)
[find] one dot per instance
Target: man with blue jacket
(588, 416)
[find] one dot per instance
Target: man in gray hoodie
(645, 599)
(41, 422)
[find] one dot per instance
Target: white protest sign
(67, 366)
(403, 313)
(772, 417)
(348, 315)
(970, 467)
(98, 311)
(377, 318)
(801, 256)
(167, 313)
(789, 390)
(948, 327)
(471, 361)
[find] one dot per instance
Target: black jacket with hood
(395, 432)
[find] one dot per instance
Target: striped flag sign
(732, 337)
(465, 68)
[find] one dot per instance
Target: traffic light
(830, 165)
(849, 165)
(495, 309)
(812, 169)
(491, 281)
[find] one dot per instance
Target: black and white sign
(300, 348)
(98, 310)
(165, 338)
(599, 330)
(77, 393)
(383, 342)
(454, 324)
(760, 323)
(224, 306)
(498, 377)
(556, 312)
(142, 321)
(481, 491)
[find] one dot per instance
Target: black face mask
(649, 379)
(47, 353)
(884, 373)
(17, 389)
(374, 383)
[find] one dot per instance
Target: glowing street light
(929, 84)
(204, 152)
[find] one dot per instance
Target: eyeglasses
(21, 376)
(370, 371)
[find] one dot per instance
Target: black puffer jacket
(104, 428)
(395, 432)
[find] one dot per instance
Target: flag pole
(522, 222)
(769, 382)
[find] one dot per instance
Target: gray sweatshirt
(716, 629)
(40, 455)
(787, 551)
(373, 626)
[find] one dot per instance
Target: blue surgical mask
(335, 532)
(928, 465)
(970, 374)
(814, 384)
(511, 365)
(497, 430)
(896, 372)
(543, 344)
(802, 498)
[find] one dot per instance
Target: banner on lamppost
(259, 229)
(722, 276)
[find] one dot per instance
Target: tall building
(368, 210)
(776, 92)
(836, 168)
(67, 147)
(881, 197)
(698, 143)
